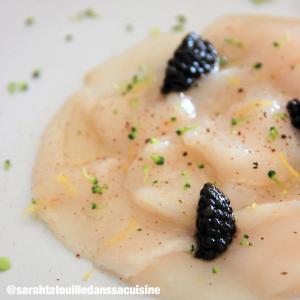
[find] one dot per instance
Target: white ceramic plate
(37, 258)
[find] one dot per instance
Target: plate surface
(37, 258)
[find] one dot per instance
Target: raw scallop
(140, 225)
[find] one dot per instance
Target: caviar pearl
(194, 58)
(215, 224)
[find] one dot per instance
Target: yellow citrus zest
(290, 168)
(132, 226)
(87, 275)
(252, 106)
(68, 186)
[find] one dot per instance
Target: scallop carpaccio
(121, 165)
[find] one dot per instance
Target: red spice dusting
(127, 125)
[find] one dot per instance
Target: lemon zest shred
(87, 275)
(146, 173)
(68, 186)
(132, 225)
(248, 108)
(289, 185)
(234, 80)
(252, 205)
(30, 210)
(285, 162)
(154, 32)
(87, 175)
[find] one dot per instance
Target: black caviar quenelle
(293, 108)
(191, 60)
(215, 223)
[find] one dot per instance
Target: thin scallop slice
(151, 117)
(70, 139)
(139, 230)
(170, 190)
(104, 228)
(261, 266)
